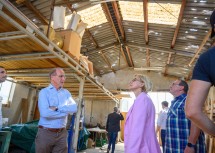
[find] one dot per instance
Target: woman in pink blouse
(139, 134)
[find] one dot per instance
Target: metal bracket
(29, 29)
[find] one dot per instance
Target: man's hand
(189, 150)
(54, 108)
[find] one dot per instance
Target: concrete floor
(119, 149)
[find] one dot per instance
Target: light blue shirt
(162, 118)
(62, 99)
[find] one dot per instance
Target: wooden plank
(24, 107)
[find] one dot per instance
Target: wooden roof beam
(66, 2)
(123, 55)
(145, 9)
(200, 47)
(69, 5)
(147, 58)
(30, 6)
(119, 19)
(92, 38)
(115, 19)
(122, 32)
(129, 55)
(183, 3)
(109, 18)
(161, 49)
(167, 63)
(189, 75)
(107, 62)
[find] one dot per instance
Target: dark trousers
(112, 140)
(163, 133)
(51, 142)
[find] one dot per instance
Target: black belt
(56, 130)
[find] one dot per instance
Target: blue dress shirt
(62, 99)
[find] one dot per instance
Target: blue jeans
(112, 140)
(163, 133)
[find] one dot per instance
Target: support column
(78, 114)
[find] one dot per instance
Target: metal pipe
(26, 58)
(13, 37)
(4, 34)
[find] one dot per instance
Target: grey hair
(53, 71)
(147, 83)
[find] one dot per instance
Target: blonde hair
(147, 83)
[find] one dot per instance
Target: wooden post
(211, 106)
(24, 107)
(78, 114)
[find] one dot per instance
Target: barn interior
(101, 45)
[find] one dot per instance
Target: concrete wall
(13, 112)
(121, 78)
(96, 112)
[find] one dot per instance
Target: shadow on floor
(119, 149)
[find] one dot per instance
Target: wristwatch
(191, 145)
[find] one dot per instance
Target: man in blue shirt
(161, 122)
(177, 125)
(55, 103)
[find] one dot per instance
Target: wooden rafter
(189, 75)
(107, 62)
(129, 55)
(66, 2)
(116, 26)
(29, 5)
(200, 47)
(167, 63)
(145, 9)
(92, 38)
(108, 15)
(69, 5)
(102, 48)
(147, 58)
(96, 71)
(119, 19)
(124, 56)
(183, 3)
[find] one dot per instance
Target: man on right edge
(203, 78)
(177, 125)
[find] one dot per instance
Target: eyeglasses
(135, 79)
(175, 84)
(61, 76)
(2, 72)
